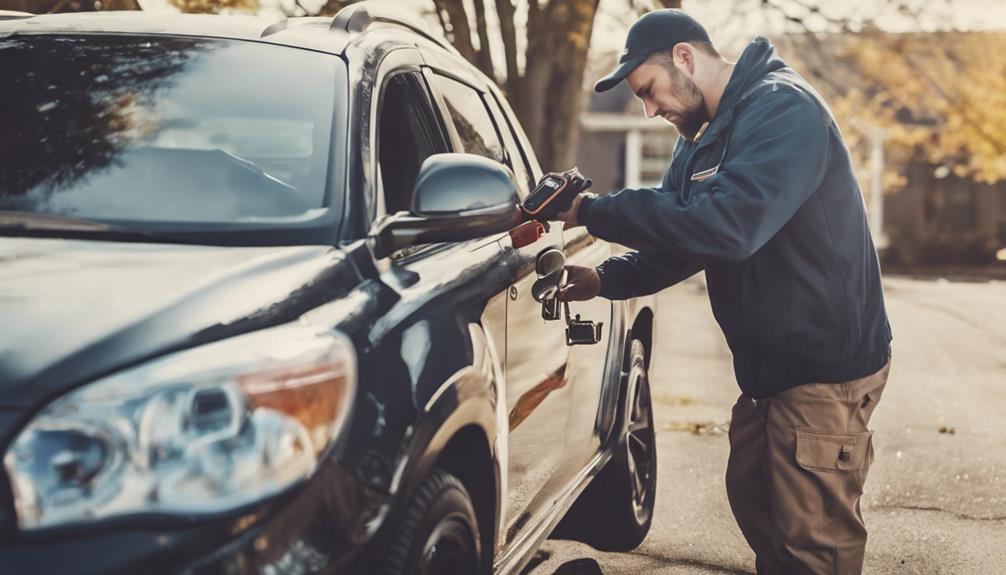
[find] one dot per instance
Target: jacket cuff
(584, 209)
(600, 276)
(592, 217)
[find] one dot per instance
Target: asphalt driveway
(935, 501)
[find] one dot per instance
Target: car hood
(76, 310)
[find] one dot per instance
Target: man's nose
(650, 107)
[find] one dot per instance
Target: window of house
(409, 133)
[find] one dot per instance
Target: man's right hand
(582, 284)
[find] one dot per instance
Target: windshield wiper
(256, 169)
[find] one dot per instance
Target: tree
(546, 91)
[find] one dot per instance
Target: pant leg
(747, 483)
(819, 453)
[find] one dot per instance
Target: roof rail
(359, 17)
(12, 14)
(293, 22)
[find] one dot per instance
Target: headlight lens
(196, 432)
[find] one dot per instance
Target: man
(761, 195)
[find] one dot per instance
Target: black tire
(439, 532)
(615, 512)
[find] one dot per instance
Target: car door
(438, 287)
(537, 397)
(585, 364)
(585, 368)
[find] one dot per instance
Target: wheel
(615, 512)
(439, 532)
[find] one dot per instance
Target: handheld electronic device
(554, 194)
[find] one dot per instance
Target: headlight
(196, 432)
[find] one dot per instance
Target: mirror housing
(457, 197)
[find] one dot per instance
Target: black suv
(263, 310)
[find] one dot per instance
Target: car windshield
(142, 129)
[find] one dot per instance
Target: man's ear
(684, 57)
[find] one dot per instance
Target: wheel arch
(457, 434)
(468, 457)
(642, 329)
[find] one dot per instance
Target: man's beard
(695, 114)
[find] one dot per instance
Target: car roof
(327, 34)
(314, 33)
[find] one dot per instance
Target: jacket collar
(758, 59)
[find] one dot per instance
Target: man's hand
(568, 218)
(582, 284)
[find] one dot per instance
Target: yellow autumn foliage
(938, 97)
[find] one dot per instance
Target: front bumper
(322, 526)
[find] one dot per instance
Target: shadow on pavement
(539, 565)
(579, 567)
(582, 566)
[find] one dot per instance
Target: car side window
(515, 156)
(408, 134)
(470, 117)
(527, 152)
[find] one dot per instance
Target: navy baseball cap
(655, 31)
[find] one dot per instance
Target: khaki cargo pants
(798, 462)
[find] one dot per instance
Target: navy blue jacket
(766, 202)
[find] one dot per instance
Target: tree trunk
(505, 11)
(460, 33)
(483, 58)
(553, 85)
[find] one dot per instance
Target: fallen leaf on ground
(699, 427)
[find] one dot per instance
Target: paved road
(935, 501)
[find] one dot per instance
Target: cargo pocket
(835, 453)
(838, 464)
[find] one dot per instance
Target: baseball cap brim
(624, 69)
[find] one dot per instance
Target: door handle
(549, 261)
(547, 287)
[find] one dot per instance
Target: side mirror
(457, 197)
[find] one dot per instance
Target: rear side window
(515, 154)
(470, 118)
(518, 133)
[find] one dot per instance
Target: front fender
(457, 430)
